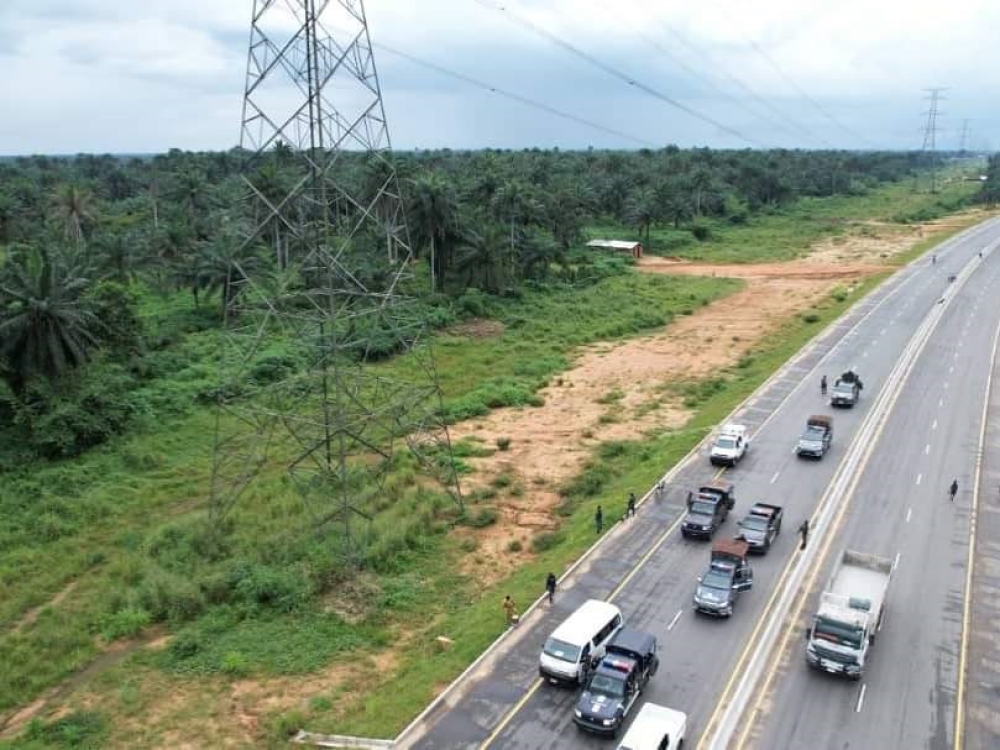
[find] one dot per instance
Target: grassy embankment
(122, 526)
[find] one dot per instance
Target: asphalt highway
(649, 571)
(901, 510)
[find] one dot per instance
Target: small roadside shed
(635, 248)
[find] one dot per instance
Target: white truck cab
(730, 445)
(655, 728)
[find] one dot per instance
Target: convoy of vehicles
(846, 389)
(849, 614)
(760, 526)
(728, 575)
(708, 509)
(816, 439)
(615, 684)
(613, 663)
(730, 445)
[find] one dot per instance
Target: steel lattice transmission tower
(931, 130)
(323, 267)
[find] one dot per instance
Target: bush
(64, 418)
(277, 589)
(503, 443)
(547, 540)
(514, 546)
(701, 231)
(167, 596)
(124, 623)
(81, 729)
(810, 318)
(482, 518)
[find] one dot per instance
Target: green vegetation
(107, 405)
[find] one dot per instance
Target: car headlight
(609, 722)
(578, 713)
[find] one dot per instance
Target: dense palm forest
(94, 247)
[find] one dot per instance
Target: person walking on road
(511, 610)
(822, 385)
(550, 586)
(953, 490)
(630, 510)
(934, 260)
(599, 519)
(804, 531)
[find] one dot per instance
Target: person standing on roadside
(953, 490)
(599, 519)
(550, 586)
(804, 532)
(511, 610)
(630, 510)
(822, 385)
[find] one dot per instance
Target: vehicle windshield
(702, 507)
(813, 433)
(844, 387)
(716, 579)
(603, 684)
(838, 632)
(561, 650)
(757, 523)
(726, 443)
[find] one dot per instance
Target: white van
(655, 728)
(582, 636)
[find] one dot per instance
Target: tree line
(83, 239)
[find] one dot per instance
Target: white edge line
(861, 699)
(676, 618)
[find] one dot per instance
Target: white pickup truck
(730, 445)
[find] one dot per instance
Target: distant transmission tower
(931, 130)
(300, 392)
(963, 137)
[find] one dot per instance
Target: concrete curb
(339, 740)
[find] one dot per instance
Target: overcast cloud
(129, 77)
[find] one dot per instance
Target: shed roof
(614, 244)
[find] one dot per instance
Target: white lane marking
(861, 699)
(919, 477)
(909, 512)
(946, 385)
(934, 424)
(676, 618)
(776, 475)
(951, 369)
(927, 449)
(895, 563)
(864, 354)
(940, 402)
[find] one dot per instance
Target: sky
(119, 76)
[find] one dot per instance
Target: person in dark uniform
(550, 586)
(804, 531)
(599, 519)
(630, 511)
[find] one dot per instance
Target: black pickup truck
(708, 509)
(760, 526)
(614, 685)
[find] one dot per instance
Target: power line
(682, 40)
(612, 71)
(515, 97)
(756, 47)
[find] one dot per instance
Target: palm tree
(224, 263)
(480, 258)
(74, 208)
(433, 221)
(701, 181)
(641, 211)
(45, 327)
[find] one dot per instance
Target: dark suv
(728, 574)
(708, 509)
(615, 684)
